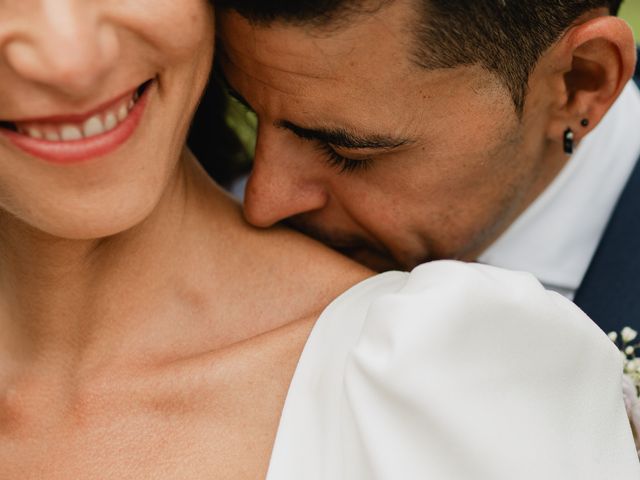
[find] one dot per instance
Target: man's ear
(593, 62)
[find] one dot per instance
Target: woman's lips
(81, 138)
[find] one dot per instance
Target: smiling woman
(98, 113)
(121, 263)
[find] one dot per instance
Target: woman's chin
(93, 229)
(89, 223)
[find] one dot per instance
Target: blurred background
(631, 12)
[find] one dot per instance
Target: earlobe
(599, 56)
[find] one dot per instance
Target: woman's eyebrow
(344, 138)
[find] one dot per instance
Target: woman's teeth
(98, 124)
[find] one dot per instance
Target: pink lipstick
(77, 138)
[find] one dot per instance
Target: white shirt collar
(556, 237)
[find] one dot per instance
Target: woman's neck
(62, 298)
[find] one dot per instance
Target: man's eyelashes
(343, 164)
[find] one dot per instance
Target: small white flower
(633, 366)
(625, 359)
(629, 334)
(629, 350)
(613, 336)
(632, 402)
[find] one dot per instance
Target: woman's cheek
(178, 29)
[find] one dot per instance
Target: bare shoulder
(278, 266)
(258, 280)
(284, 271)
(306, 273)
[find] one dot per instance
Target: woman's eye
(344, 164)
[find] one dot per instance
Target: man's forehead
(373, 40)
(367, 78)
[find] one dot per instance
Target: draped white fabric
(455, 372)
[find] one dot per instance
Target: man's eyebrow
(343, 138)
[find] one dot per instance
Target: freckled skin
(472, 166)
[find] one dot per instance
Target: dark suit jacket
(610, 292)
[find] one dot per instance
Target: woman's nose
(63, 44)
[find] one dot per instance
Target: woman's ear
(596, 60)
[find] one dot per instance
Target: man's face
(385, 161)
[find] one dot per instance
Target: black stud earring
(585, 122)
(569, 138)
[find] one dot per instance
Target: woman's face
(96, 98)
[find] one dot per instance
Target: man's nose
(64, 44)
(283, 183)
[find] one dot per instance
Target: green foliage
(631, 13)
(245, 123)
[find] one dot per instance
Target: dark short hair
(507, 37)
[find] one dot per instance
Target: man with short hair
(402, 131)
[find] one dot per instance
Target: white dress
(455, 372)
